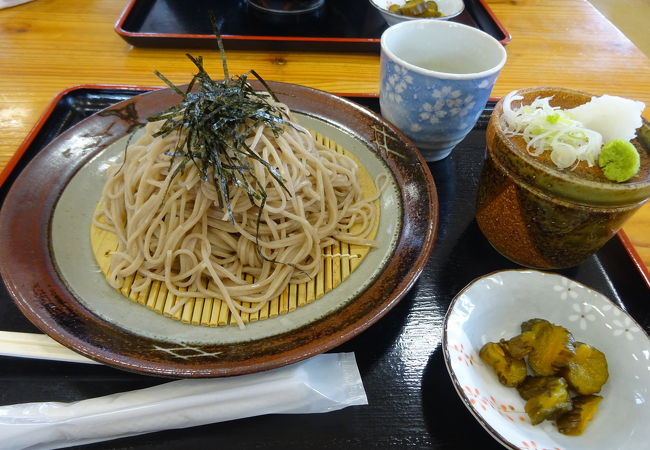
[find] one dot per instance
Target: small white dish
(493, 307)
(448, 8)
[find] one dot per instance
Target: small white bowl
(494, 306)
(448, 8)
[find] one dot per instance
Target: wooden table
(49, 45)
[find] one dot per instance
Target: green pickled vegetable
(587, 370)
(550, 402)
(574, 422)
(552, 347)
(416, 8)
(534, 386)
(432, 5)
(509, 370)
(520, 345)
(413, 8)
(562, 369)
(528, 325)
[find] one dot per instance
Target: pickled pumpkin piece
(552, 348)
(587, 371)
(529, 324)
(509, 370)
(432, 10)
(431, 5)
(520, 345)
(549, 403)
(413, 8)
(533, 386)
(416, 8)
(574, 422)
(430, 13)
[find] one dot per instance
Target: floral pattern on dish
(583, 315)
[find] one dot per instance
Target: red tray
(341, 25)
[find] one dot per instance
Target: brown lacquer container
(543, 217)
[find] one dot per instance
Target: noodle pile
(170, 227)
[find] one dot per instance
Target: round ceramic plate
(48, 267)
(493, 307)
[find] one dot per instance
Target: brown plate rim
(27, 268)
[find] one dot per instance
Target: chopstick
(38, 346)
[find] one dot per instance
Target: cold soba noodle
(171, 229)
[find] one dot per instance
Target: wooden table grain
(49, 45)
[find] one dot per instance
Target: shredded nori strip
(212, 123)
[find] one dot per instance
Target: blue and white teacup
(436, 77)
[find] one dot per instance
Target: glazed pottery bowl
(448, 8)
(543, 217)
(493, 307)
(434, 93)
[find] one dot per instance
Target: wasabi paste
(619, 160)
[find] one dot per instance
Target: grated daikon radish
(613, 117)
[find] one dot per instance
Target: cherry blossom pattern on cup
(426, 107)
(435, 92)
